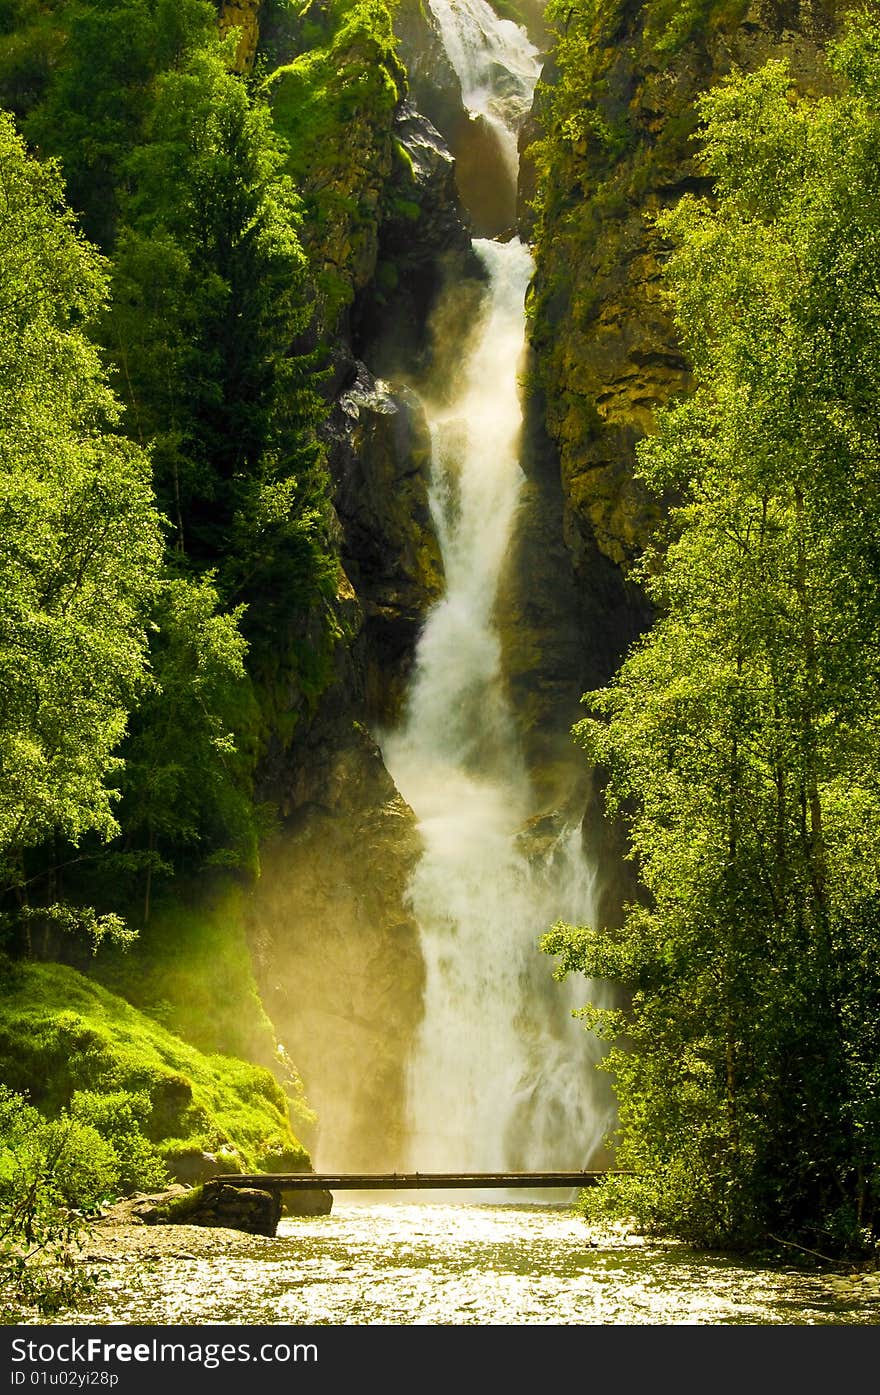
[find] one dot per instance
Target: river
(408, 1263)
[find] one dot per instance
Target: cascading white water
(496, 64)
(502, 1076)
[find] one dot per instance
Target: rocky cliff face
(372, 143)
(603, 351)
(336, 948)
(243, 15)
(482, 177)
(385, 233)
(433, 83)
(423, 246)
(381, 462)
(606, 352)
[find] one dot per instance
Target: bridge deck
(370, 1181)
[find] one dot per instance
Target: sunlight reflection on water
(445, 1264)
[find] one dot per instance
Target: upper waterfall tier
(497, 66)
(494, 60)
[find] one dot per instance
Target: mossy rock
(334, 106)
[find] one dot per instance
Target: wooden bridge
(409, 1181)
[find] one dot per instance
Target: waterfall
(501, 1076)
(496, 64)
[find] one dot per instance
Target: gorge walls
(338, 921)
(396, 185)
(614, 119)
(620, 147)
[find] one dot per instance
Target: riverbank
(112, 1241)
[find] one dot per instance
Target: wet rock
(143, 1208)
(486, 184)
(249, 1209)
(433, 82)
(192, 1166)
(236, 1208)
(300, 1203)
(380, 459)
(442, 225)
(424, 246)
(539, 839)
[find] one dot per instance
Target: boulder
(192, 1166)
(237, 1208)
(297, 1203)
(250, 1209)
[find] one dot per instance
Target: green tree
(186, 784)
(51, 1171)
(210, 306)
(176, 168)
(95, 91)
(121, 1118)
(80, 542)
(742, 732)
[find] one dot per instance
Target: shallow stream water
(410, 1263)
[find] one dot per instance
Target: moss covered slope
(61, 1032)
(191, 968)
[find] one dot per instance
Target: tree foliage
(209, 311)
(51, 1173)
(172, 165)
(80, 543)
(742, 733)
(210, 301)
(100, 62)
(186, 779)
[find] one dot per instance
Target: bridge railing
(412, 1181)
